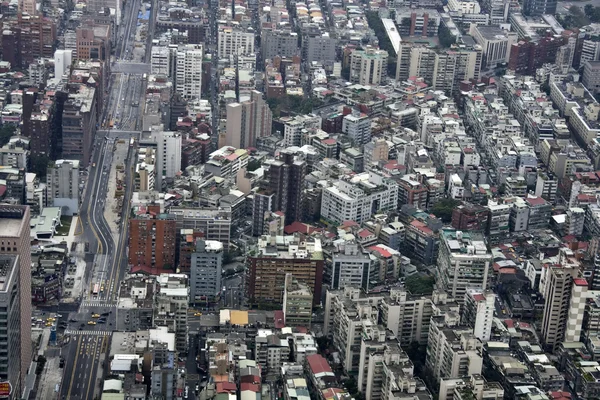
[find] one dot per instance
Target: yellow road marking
(74, 368)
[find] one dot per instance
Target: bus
(96, 289)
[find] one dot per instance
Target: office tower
(297, 303)
(63, 186)
(478, 313)
(319, 46)
(358, 127)
(79, 122)
(368, 66)
(188, 71)
(205, 271)
(463, 262)
(168, 162)
(234, 42)
(62, 62)
(533, 8)
(263, 201)
(275, 256)
(15, 240)
(286, 180)
(93, 42)
(283, 43)
(246, 122)
(10, 323)
(557, 295)
(152, 241)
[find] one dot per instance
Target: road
(88, 338)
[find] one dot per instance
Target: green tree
(6, 132)
(38, 164)
(588, 10)
(417, 355)
(447, 39)
(253, 165)
(443, 209)
(420, 285)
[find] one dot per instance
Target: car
(91, 323)
(95, 315)
(198, 314)
(72, 320)
(101, 321)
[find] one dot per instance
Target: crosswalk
(88, 333)
(98, 303)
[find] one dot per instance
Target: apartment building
(152, 237)
(246, 122)
(407, 315)
(478, 313)
(226, 162)
(63, 186)
(454, 66)
(294, 128)
(369, 66)
(15, 242)
(463, 262)
(205, 271)
(297, 303)
(286, 181)
(356, 198)
(278, 42)
(36, 38)
(275, 256)
(233, 41)
(319, 46)
(263, 201)
(79, 122)
(168, 156)
(350, 267)
(188, 71)
(214, 224)
(357, 126)
(171, 307)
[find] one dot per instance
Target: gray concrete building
(10, 325)
(591, 76)
(321, 48)
(63, 186)
(205, 271)
(279, 43)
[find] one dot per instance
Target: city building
(93, 42)
(463, 262)
(246, 122)
(274, 257)
(233, 42)
(161, 58)
(495, 43)
(358, 127)
(356, 198)
(282, 43)
(63, 186)
(286, 181)
(214, 224)
(168, 160)
(152, 237)
(591, 76)
(205, 271)
(188, 71)
(533, 8)
(15, 241)
(369, 66)
(297, 302)
(417, 22)
(11, 337)
(263, 201)
(79, 124)
(171, 307)
(62, 61)
(350, 267)
(295, 127)
(478, 313)
(36, 38)
(319, 47)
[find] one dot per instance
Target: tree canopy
(443, 209)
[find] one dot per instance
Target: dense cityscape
(300, 200)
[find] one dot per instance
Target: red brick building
(152, 240)
(470, 217)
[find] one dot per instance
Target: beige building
(297, 303)
(367, 67)
(15, 240)
(246, 122)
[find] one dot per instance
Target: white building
(188, 76)
(168, 162)
(495, 42)
(205, 271)
(358, 197)
(368, 66)
(456, 190)
(294, 127)
(234, 42)
(63, 186)
(464, 6)
(62, 62)
(478, 313)
(171, 306)
(463, 262)
(350, 267)
(575, 221)
(358, 127)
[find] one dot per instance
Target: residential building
(205, 271)
(369, 66)
(152, 236)
(15, 153)
(417, 22)
(79, 124)
(246, 122)
(226, 162)
(286, 181)
(297, 302)
(540, 212)
(358, 197)
(454, 66)
(161, 61)
(591, 76)
(350, 267)
(470, 217)
(214, 224)
(171, 307)
(295, 127)
(478, 313)
(319, 47)
(263, 201)
(282, 43)
(188, 71)
(463, 262)
(36, 38)
(63, 186)
(15, 241)
(275, 256)
(574, 221)
(358, 127)
(536, 8)
(27, 7)
(168, 160)
(495, 42)
(232, 41)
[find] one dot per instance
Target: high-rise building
(168, 161)
(293, 128)
(319, 47)
(214, 224)
(455, 66)
(37, 38)
(171, 303)
(79, 122)
(478, 313)
(62, 62)
(533, 8)
(27, 7)
(576, 310)
(274, 257)
(10, 324)
(234, 42)
(286, 180)
(368, 66)
(463, 262)
(152, 241)
(497, 10)
(15, 240)
(63, 186)
(297, 302)
(188, 73)
(415, 60)
(283, 43)
(246, 122)
(358, 127)
(93, 42)
(557, 295)
(205, 271)
(160, 61)
(350, 267)
(263, 201)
